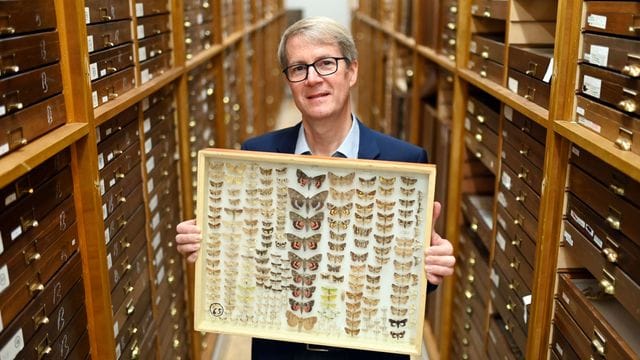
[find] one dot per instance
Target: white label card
(116, 329)
(150, 164)
(512, 84)
(1, 251)
(13, 346)
(109, 262)
(145, 76)
(104, 211)
(471, 106)
(87, 15)
(142, 53)
(589, 124)
(598, 55)
(501, 241)
(100, 161)
(139, 9)
(156, 241)
(4, 148)
(506, 180)
(160, 275)
(93, 71)
(591, 86)
(146, 125)
(566, 298)
(473, 47)
(467, 124)
(105, 99)
(148, 144)
(547, 75)
(155, 221)
(101, 187)
(107, 237)
(567, 238)
(16, 232)
(90, 42)
(580, 110)
(495, 278)
(153, 203)
(4, 278)
(508, 113)
(140, 31)
(94, 99)
(150, 185)
(597, 21)
(502, 199)
(526, 300)
(10, 198)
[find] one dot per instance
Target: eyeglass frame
(313, 64)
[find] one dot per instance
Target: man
(319, 59)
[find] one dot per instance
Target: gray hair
(322, 30)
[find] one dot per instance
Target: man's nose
(313, 74)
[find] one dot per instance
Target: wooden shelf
(440, 59)
(203, 57)
(518, 103)
(23, 160)
(596, 145)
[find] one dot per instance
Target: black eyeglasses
(323, 67)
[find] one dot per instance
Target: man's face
(320, 97)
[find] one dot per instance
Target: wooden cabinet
(103, 106)
(542, 165)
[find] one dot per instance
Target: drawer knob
(515, 242)
(111, 69)
(125, 244)
(128, 289)
(623, 144)
(478, 137)
(205, 5)
(611, 255)
(109, 44)
(628, 105)
(119, 176)
(511, 307)
(465, 341)
(484, 54)
(478, 155)
(113, 95)
(514, 285)
(486, 13)
(7, 30)
(613, 222)
(598, 346)
(11, 69)
(453, 9)
(471, 278)
(474, 227)
(133, 330)
(135, 352)
(41, 320)
(188, 41)
(618, 190)
(472, 261)
(42, 352)
(468, 310)
(171, 279)
(607, 286)
(467, 326)
(523, 152)
(465, 356)
(468, 294)
(36, 287)
(187, 24)
(632, 70)
(451, 42)
(483, 73)
(451, 26)
(176, 343)
(514, 264)
(480, 119)
(14, 107)
(130, 309)
(33, 257)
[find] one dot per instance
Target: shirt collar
(349, 147)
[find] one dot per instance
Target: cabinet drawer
(621, 129)
(116, 123)
(504, 346)
(157, 114)
(515, 282)
(164, 170)
(518, 237)
(494, 9)
(481, 152)
(163, 93)
(529, 88)
(58, 343)
(561, 349)
(534, 61)
(515, 263)
(619, 214)
(121, 215)
(112, 86)
(134, 324)
(522, 217)
(118, 194)
(485, 110)
(526, 125)
(107, 35)
(515, 243)
(614, 89)
(27, 183)
(129, 242)
(615, 247)
(478, 210)
(109, 61)
(19, 91)
(22, 127)
(614, 53)
(605, 326)
(155, 67)
(23, 53)
(618, 182)
(153, 46)
(151, 7)
(96, 11)
(25, 217)
(511, 326)
(118, 169)
(522, 166)
(522, 192)
(197, 16)
(197, 38)
(128, 308)
(153, 25)
(112, 148)
(482, 134)
(158, 153)
(612, 17)
(22, 16)
(488, 46)
(134, 277)
(49, 295)
(513, 304)
(486, 68)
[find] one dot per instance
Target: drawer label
(109, 262)
(467, 124)
(142, 53)
(591, 86)
(148, 144)
(598, 55)
(3, 110)
(93, 71)
(116, 330)
(580, 110)
(13, 347)
(565, 298)
(100, 161)
(140, 29)
(160, 275)
(4, 148)
(502, 222)
(159, 257)
(559, 349)
(501, 241)
(473, 46)
(94, 99)
(526, 300)
(146, 125)
(106, 235)
(512, 84)
(495, 278)
(156, 241)
(155, 221)
(153, 203)
(547, 75)
(493, 337)
(506, 180)
(502, 199)
(4, 278)
(597, 21)
(10, 198)
(567, 238)
(150, 185)
(150, 164)
(589, 124)
(1, 251)
(139, 9)
(102, 187)
(145, 76)
(105, 212)
(16, 232)
(90, 42)
(87, 15)
(508, 113)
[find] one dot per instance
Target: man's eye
(325, 62)
(297, 68)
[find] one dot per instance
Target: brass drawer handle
(623, 144)
(613, 222)
(451, 26)
(474, 227)
(451, 42)
(478, 155)
(41, 320)
(130, 308)
(453, 9)
(468, 310)
(486, 13)
(610, 254)
(484, 54)
(465, 341)
(521, 197)
(109, 44)
(187, 24)
(15, 106)
(468, 294)
(11, 69)
(467, 326)
(598, 342)
(618, 190)
(628, 105)
(33, 257)
(36, 287)
(471, 278)
(608, 282)
(111, 69)
(7, 30)
(176, 343)
(480, 119)
(43, 351)
(483, 73)
(632, 70)
(478, 137)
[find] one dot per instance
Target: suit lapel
(287, 141)
(368, 147)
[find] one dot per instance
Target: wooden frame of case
(366, 281)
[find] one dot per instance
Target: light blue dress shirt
(349, 147)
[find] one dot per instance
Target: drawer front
(21, 16)
(488, 46)
(119, 218)
(522, 217)
(164, 170)
(482, 134)
(616, 126)
(484, 113)
(96, 11)
(157, 113)
(504, 346)
(608, 330)
(610, 278)
(518, 237)
(618, 213)
(494, 9)
(118, 169)
(513, 304)
(617, 54)
(612, 17)
(108, 35)
(618, 250)
(110, 60)
(522, 192)
(112, 148)
(125, 289)
(151, 7)
(526, 125)
(532, 61)
(523, 246)
(153, 46)
(153, 25)
(512, 277)
(116, 123)
(529, 88)
(128, 308)
(27, 183)
(197, 16)
(197, 38)
(155, 67)
(22, 127)
(133, 324)
(120, 267)
(18, 92)
(158, 153)
(561, 349)
(58, 344)
(575, 338)
(126, 243)
(23, 53)
(486, 68)
(512, 327)
(81, 349)
(522, 166)
(618, 182)
(166, 91)
(481, 152)
(477, 209)
(617, 90)
(24, 219)
(111, 86)
(514, 263)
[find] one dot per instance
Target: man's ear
(353, 71)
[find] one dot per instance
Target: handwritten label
(142, 53)
(90, 42)
(598, 55)
(512, 84)
(13, 346)
(591, 86)
(508, 113)
(93, 71)
(87, 15)
(139, 9)
(4, 278)
(597, 21)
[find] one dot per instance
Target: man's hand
(438, 258)
(188, 239)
